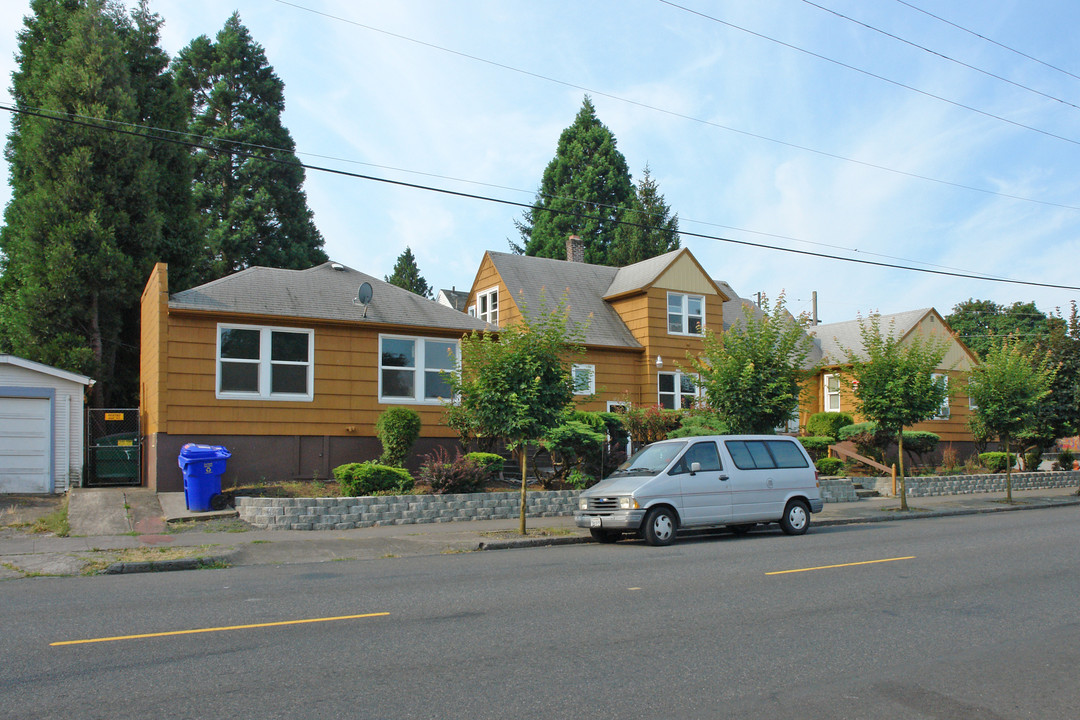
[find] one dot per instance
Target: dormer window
(686, 314)
(487, 306)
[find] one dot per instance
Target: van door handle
(723, 477)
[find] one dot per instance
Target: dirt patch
(25, 510)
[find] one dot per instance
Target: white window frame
(679, 394)
(266, 365)
(943, 412)
(684, 314)
(826, 394)
(590, 387)
(419, 370)
(490, 315)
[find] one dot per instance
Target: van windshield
(651, 459)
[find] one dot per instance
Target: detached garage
(41, 427)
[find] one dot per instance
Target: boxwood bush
(827, 423)
(397, 428)
(490, 464)
(368, 478)
(996, 461)
(829, 466)
(816, 445)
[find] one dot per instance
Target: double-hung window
(411, 369)
(676, 390)
(832, 393)
(264, 363)
(686, 314)
(943, 411)
(487, 306)
(584, 379)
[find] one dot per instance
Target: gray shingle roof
(322, 293)
(639, 275)
(584, 285)
(454, 298)
(834, 337)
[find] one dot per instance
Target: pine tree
(88, 217)
(253, 211)
(649, 228)
(584, 191)
(407, 275)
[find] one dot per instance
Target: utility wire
(940, 55)
(256, 146)
(868, 73)
(471, 196)
(682, 116)
(989, 40)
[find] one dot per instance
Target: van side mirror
(695, 467)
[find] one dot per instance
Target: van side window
(704, 453)
(750, 454)
(786, 454)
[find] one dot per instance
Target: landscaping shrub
(827, 423)
(996, 462)
(649, 424)
(816, 445)
(579, 480)
(829, 466)
(448, 476)
(1065, 459)
(869, 441)
(1032, 459)
(368, 478)
(918, 443)
(489, 464)
(397, 428)
(699, 422)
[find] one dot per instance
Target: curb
(192, 563)
(534, 542)
(922, 514)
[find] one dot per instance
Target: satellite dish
(363, 297)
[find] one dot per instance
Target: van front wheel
(796, 518)
(659, 526)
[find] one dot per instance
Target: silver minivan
(715, 480)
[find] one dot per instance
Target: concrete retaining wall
(931, 485)
(347, 513)
(835, 490)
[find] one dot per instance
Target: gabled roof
(833, 338)
(640, 275)
(324, 292)
(17, 361)
(583, 284)
(453, 298)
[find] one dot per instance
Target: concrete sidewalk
(125, 530)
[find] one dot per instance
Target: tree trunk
(524, 453)
(903, 480)
(97, 392)
(1008, 472)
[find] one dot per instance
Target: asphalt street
(956, 617)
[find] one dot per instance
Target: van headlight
(628, 503)
(583, 503)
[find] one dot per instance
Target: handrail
(856, 456)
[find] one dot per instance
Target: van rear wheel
(659, 526)
(796, 518)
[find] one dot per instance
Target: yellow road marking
(829, 567)
(216, 629)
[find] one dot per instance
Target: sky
(774, 122)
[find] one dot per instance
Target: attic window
(264, 363)
(487, 305)
(686, 314)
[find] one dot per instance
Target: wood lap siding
(346, 382)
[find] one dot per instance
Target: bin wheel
(219, 501)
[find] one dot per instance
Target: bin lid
(193, 452)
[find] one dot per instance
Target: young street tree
(753, 372)
(649, 229)
(585, 189)
(92, 209)
(894, 383)
(407, 275)
(1007, 389)
(253, 209)
(515, 386)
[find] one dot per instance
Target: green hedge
(829, 466)
(491, 464)
(816, 445)
(368, 478)
(997, 461)
(827, 423)
(397, 428)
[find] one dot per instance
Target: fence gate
(113, 447)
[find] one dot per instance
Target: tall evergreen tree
(649, 228)
(88, 216)
(407, 275)
(585, 190)
(253, 211)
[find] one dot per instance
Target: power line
(989, 40)
(868, 73)
(682, 116)
(256, 146)
(940, 55)
(471, 196)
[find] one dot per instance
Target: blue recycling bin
(202, 466)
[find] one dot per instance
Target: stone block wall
(966, 484)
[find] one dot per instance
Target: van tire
(659, 526)
(796, 519)
(605, 536)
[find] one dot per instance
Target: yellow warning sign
(114, 416)
(124, 443)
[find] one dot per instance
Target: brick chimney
(575, 249)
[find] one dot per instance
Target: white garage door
(25, 452)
